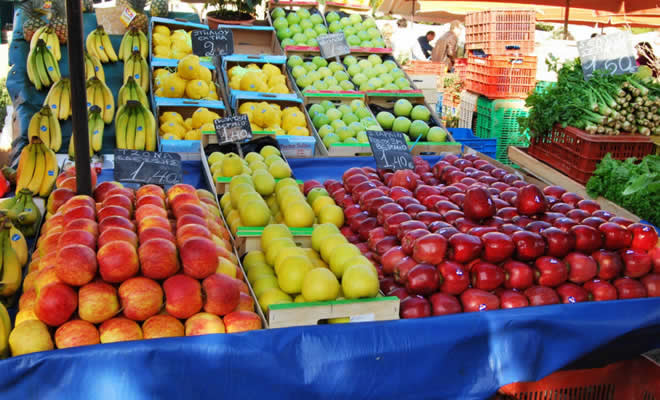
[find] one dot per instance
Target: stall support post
(78, 97)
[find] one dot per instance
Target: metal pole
(568, 7)
(78, 97)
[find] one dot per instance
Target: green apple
(316, 19)
(310, 33)
(341, 76)
(350, 60)
(345, 132)
(345, 21)
(327, 105)
(331, 80)
(333, 114)
(420, 112)
(280, 23)
(312, 43)
(376, 82)
(336, 88)
(295, 29)
(373, 33)
(362, 137)
(315, 109)
(366, 43)
(351, 140)
(436, 134)
(300, 38)
(354, 69)
(321, 85)
(356, 127)
(284, 33)
(298, 71)
(288, 42)
(336, 124)
(332, 17)
(320, 29)
(334, 27)
(278, 12)
(320, 120)
(353, 40)
(356, 104)
(418, 128)
(350, 31)
(303, 13)
(320, 62)
(325, 72)
(363, 35)
(292, 18)
(330, 139)
(381, 69)
(324, 130)
(402, 108)
(349, 118)
(385, 119)
(335, 66)
(344, 109)
(402, 83)
(355, 19)
(375, 59)
(365, 65)
(294, 61)
(401, 124)
(362, 113)
(346, 85)
(360, 79)
(390, 65)
(310, 66)
(369, 23)
(306, 24)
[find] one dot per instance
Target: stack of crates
(498, 119)
(502, 69)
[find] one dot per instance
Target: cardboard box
(255, 40)
(242, 60)
(173, 25)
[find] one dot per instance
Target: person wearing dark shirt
(425, 43)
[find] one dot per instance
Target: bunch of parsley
(634, 186)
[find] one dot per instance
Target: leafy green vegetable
(634, 186)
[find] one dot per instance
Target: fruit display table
(466, 356)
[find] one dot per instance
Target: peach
(77, 201)
(242, 321)
(54, 224)
(156, 233)
(114, 233)
(25, 315)
(149, 210)
(190, 219)
(180, 188)
(97, 302)
(57, 198)
(158, 258)
(85, 225)
(49, 243)
(221, 294)
(239, 273)
(150, 199)
(150, 190)
(67, 173)
(118, 261)
(27, 299)
(128, 192)
(205, 194)
(117, 222)
(160, 326)
(199, 257)
(49, 260)
(119, 200)
(101, 191)
(221, 243)
(77, 236)
(217, 230)
(154, 221)
(76, 264)
(187, 232)
(76, 333)
(183, 198)
(119, 330)
(243, 287)
(211, 207)
(140, 298)
(110, 211)
(80, 212)
(183, 296)
(34, 263)
(190, 209)
(55, 304)
(245, 303)
(67, 183)
(226, 267)
(45, 277)
(204, 324)
(223, 252)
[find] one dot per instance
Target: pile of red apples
(465, 236)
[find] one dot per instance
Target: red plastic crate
(577, 153)
(636, 379)
(501, 77)
(493, 30)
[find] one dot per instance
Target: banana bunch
(37, 169)
(132, 91)
(45, 126)
(5, 329)
(136, 67)
(42, 67)
(59, 99)
(98, 44)
(47, 34)
(11, 269)
(133, 40)
(95, 126)
(99, 94)
(93, 67)
(135, 127)
(23, 214)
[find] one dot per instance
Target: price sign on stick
(333, 45)
(233, 129)
(209, 43)
(390, 150)
(612, 53)
(148, 167)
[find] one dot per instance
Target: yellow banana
(39, 169)
(98, 96)
(6, 329)
(31, 71)
(130, 128)
(44, 126)
(144, 44)
(11, 270)
(140, 128)
(150, 124)
(107, 45)
(100, 51)
(33, 127)
(96, 127)
(121, 123)
(108, 105)
(123, 44)
(55, 131)
(19, 244)
(40, 66)
(65, 103)
(52, 43)
(90, 45)
(50, 173)
(144, 74)
(26, 164)
(54, 97)
(37, 36)
(52, 67)
(128, 68)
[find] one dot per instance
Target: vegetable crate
(501, 77)
(460, 68)
(498, 119)
(422, 67)
(576, 153)
(501, 31)
(467, 138)
(626, 380)
(467, 108)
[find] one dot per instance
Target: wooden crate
(249, 238)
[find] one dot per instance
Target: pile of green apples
(317, 74)
(372, 73)
(358, 33)
(345, 123)
(412, 121)
(298, 28)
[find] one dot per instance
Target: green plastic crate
(498, 119)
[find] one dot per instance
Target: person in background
(645, 56)
(425, 43)
(445, 48)
(402, 43)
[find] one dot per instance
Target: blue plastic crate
(466, 137)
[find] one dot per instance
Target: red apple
(571, 293)
(589, 206)
(654, 253)
(559, 243)
(529, 245)
(652, 284)
(414, 307)
(578, 215)
(479, 231)
(644, 238)
(600, 290)
(479, 300)
(385, 211)
(392, 222)
(541, 296)
(606, 215)
(486, 276)
(422, 280)
(582, 268)
(628, 288)
(402, 268)
(408, 226)
(512, 299)
(531, 201)
(593, 221)
(550, 271)
(497, 247)
(414, 209)
(636, 263)
(366, 226)
(517, 275)
(570, 198)
(464, 248)
(616, 236)
(409, 238)
(428, 217)
(587, 239)
(390, 258)
(444, 304)
(430, 249)
(555, 191)
(453, 278)
(399, 292)
(478, 204)
(621, 221)
(609, 263)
